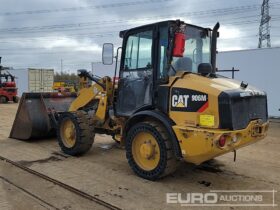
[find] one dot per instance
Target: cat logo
(186, 100)
(180, 101)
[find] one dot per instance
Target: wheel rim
(68, 133)
(145, 151)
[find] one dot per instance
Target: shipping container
(40, 80)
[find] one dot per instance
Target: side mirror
(107, 53)
(204, 68)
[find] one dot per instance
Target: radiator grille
(236, 112)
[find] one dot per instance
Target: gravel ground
(103, 172)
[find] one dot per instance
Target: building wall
(21, 80)
(258, 67)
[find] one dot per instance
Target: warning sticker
(207, 120)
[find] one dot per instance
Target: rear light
(222, 141)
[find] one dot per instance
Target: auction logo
(224, 198)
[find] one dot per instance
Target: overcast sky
(39, 33)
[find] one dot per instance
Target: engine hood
(220, 84)
(230, 104)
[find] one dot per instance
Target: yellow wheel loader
(169, 104)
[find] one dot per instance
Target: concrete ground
(104, 173)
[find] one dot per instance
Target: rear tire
(141, 159)
(3, 100)
(75, 133)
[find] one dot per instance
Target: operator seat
(182, 64)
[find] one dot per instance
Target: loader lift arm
(76, 127)
(102, 91)
(86, 74)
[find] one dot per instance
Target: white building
(21, 80)
(258, 67)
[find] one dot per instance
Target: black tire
(3, 100)
(168, 162)
(15, 99)
(84, 129)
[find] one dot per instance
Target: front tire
(149, 151)
(75, 133)
(3, 100)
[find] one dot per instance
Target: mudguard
(160, 117)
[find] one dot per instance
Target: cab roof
(166, 22)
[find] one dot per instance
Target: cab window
(139, 51)
(163, 45)
(136, 79)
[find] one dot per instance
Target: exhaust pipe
(215, 35)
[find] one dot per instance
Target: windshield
(197, 50)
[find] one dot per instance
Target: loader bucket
(33, 119)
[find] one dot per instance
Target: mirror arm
(116, 67)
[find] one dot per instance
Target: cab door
(136, 72)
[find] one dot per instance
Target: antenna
(264, 29)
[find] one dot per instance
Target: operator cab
(197, 50)
(152, 53)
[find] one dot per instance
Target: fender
(160, 117)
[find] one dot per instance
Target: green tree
(66, 77)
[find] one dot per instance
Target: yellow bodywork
(201, 144)
(210, 116)
(85, 96)
(95, 92)
(196, 132)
